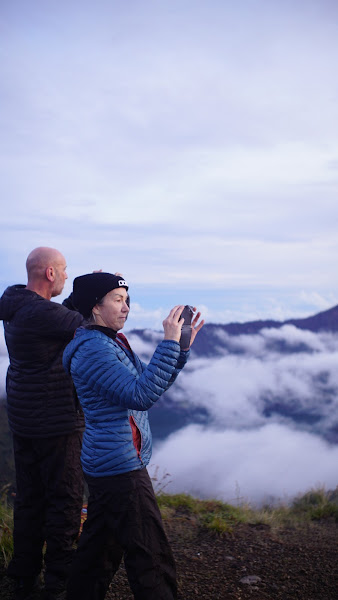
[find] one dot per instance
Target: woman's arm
(101, 367)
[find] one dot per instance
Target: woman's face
(112, 311)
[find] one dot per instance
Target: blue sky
(191, 145)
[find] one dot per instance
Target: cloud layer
(272, 400)
(271, 463)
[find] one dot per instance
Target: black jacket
(40, 397)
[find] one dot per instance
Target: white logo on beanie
(122, 282)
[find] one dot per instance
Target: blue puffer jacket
(116, 389)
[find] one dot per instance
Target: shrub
(316, 504)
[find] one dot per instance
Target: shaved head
(41, 258)
(46, 271)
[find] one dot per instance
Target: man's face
(60, 276)
(113, 311)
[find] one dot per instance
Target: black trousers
(47, 507)
(123, 521)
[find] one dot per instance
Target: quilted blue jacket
(116, 389)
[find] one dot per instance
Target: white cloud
(144, 348)
(294, 336)
(140, 317)
(272, 461)
(320, 301)
(281, 375)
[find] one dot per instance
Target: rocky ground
(254, 561)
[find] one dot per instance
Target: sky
(190, 145)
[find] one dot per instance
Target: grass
(212, 514)
(6, 528)
(218, 517)
(314, 505)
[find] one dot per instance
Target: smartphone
(187, 314)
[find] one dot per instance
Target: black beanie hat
(89, 289)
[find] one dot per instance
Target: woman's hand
(172, 325)
(195, 326)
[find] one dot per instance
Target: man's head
(46, 271)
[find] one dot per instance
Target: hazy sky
(191, 145)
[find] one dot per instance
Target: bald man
(46, 422)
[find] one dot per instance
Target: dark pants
(123, 521)
(47, 507)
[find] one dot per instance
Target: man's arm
(59, 321)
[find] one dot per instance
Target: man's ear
(50, 274)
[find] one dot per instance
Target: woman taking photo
(116, 389)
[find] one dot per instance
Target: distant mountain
(323, 321)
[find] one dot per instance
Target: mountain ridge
(326, 320)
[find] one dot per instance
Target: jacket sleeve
(68, 302)
(182, 359)
(59, 321)
(103, 372)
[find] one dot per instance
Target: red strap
(122, 340)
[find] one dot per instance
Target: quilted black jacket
(40, 397)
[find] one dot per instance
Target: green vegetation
(216, 516)
(314, 505)
(6, 528)
(7, 471)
